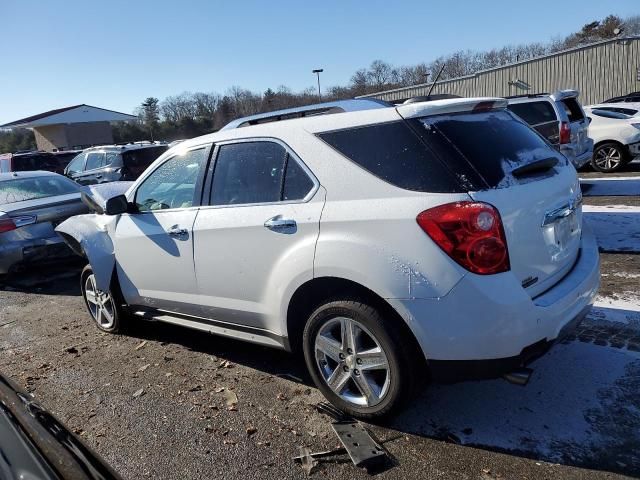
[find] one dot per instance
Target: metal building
(599, 71)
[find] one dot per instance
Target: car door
(257, 235)
(92, 172)
(154, 244)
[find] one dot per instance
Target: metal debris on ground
(357, 442)
(361, 448)
(309, 464)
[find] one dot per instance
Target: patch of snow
(616, 227)
(563, 413)
(610, 186)
(622, 309)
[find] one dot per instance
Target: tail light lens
(6, 225)
(565, 133)
(471, 233)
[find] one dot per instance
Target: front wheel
(355, 360)
(609, 157)
(102, 307)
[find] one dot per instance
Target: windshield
(21, 189)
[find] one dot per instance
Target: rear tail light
(565, 133)
(471, 233)
(6, 225)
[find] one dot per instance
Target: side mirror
(116, 205)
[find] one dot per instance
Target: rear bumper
(15, 255)
(493, 320)
(581, 160)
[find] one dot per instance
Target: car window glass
(534, 113)
(23, 189)
(297, 183)
(76, 164)
(110, 158)
(94, 160)
(394, 153)
(572, 109)
(250, 172)
(172, 184)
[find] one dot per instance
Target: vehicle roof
(319, 123)
(631, 105)
(553, 97)
(27, 174)
(126, 146)
(339, 106)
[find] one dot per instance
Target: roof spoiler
(564, 94)
(458, 105)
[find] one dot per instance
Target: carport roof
(74, 114)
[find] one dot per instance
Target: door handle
(176, 231)
(98, 176)
(279, 224)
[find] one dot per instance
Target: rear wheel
(355, 360)
(102, 306)
(609, 157)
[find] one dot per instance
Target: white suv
(389, 244)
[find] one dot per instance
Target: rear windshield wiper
(535, 168)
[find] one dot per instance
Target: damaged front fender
(92, 237)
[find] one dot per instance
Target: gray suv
(560, 119)
(113, 163)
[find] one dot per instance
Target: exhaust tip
(519, 376)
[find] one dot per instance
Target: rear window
(394, 153)
(19, 190)
(143, 157)
(494, 143)
(573, 110)
(534, 113)
(32, 162)
(626, 111)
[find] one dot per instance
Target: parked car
(440, 239)
(112, 163)
(616, 137)
(560, 119)
(35, 445)
(629, 97)
(631, 109)
(30, 161)
(32, 204)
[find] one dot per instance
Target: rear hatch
(507, 165)
(567, 101)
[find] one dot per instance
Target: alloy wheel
(100, 303)
(352, 362)
(608, 158)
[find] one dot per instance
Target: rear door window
(394, 153)
(572, 108)
(95, 160)
(534, 113)
(250, 172)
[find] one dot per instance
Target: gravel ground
(160, 402)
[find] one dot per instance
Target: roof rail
(528, 95)
(339, 106)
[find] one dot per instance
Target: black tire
(117, 322)
(609, 157)
(390, 340)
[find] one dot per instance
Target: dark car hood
(35, 445)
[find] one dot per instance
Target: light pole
(318, 71)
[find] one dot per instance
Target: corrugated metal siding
(599, 72)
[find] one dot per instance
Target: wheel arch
(316, 291)
(622, 146)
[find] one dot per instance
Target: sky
(115, 53)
